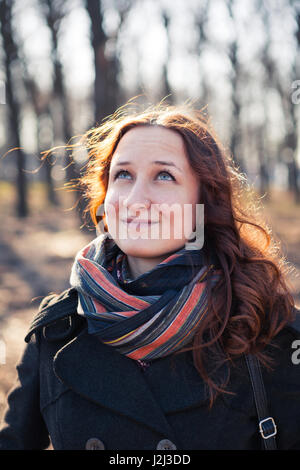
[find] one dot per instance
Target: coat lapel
(104, 376)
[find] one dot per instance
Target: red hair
(251, 303)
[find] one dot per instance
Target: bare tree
(290, 144)
(292, 139)
(269, 69)
(10, 52)
(201, 19)
(40, 104)
(235, 78)
(167, 90)
(54, 11)
(98, 40)
(106, 86)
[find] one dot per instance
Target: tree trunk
(106, 87)
(98, 40)
(167, 90)
(13, 108)
(49, 161)
(60, 93)
(236, 134)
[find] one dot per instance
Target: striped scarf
(148, 317)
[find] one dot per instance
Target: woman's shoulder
(58, 300)
(55, 309)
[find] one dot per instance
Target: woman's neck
(139, 266)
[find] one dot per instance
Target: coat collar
(102, 375)
(53, 308)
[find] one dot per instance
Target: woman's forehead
(151, 138)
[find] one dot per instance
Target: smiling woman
(160, 343)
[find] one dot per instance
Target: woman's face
(151, 180)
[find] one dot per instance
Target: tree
(54, 11)
(290, 144)
(292, 139)
(106, 61)
(42, 111)
(167, 90)
(235, 139)
(105, 68)
(10, 50)
(201, 18)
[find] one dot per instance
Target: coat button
(165, 444)
(94, 444)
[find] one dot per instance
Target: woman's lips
(139, 222)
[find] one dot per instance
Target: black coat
(85, 395)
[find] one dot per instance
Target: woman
(158, 342)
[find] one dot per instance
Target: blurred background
(66, 64)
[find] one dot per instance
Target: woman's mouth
(139, 222)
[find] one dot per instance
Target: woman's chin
(141, 248)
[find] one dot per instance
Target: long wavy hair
(252, 302)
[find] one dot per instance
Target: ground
(36, 255)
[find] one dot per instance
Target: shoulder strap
(53, 308)
(267, 426)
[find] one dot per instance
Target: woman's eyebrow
(157, 162)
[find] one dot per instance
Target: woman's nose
(137, 198)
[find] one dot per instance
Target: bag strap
(267, 426)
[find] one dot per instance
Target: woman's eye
(119, 173)
(127, 173)
(166, 173)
